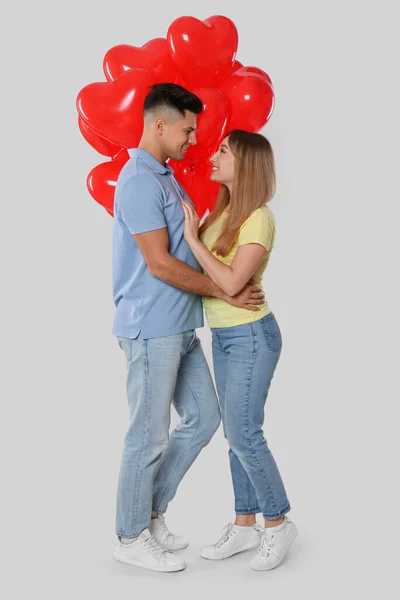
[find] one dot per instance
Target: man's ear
(159, 125)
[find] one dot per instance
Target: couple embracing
(166, 268)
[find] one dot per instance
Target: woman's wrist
(194, 244)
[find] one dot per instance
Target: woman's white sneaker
(158, 528)
(146, 552)
(274, 544)
(234, 539)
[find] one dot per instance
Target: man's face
(178, 135)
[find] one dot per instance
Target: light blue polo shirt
(148, 197)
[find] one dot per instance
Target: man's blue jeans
(162, 371)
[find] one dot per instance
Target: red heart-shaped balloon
(211, 124)
(203, 51)
(260, 72)
(235, 67)
(97, 142)
(250, 98)
(102, 180)
(238, 65)
(114, 110)
(153, 57)
(195, 179)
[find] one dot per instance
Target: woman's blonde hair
(253, 186)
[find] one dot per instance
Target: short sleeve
(141, 204)
(258, 229)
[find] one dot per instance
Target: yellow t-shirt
(260, 229)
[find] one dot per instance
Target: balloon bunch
(200, 56)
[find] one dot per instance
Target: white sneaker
(147, 553)
(234, 539)
(158, 528)
(274, 544)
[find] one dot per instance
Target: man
(158, 286)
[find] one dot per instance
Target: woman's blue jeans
(245, 357)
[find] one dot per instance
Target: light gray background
(332, 283)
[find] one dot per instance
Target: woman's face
(223, 163)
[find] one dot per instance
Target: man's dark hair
(175, 97)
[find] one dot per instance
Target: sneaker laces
(153, 546)
(226, 535)
(267, 541)
(166, 536)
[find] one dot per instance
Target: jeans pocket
(194, 340)
(126, 345)
(272, 333)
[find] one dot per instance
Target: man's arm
(154, 247)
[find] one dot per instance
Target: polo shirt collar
(150, 160)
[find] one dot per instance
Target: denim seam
(276, 515)
(248, 511)
(188, 447)
(247, 488)
(218, 341)
(254, 353)
(135, 503)
(249, 380)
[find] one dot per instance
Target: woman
(233, 245)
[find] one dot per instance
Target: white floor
(314, 568)
(336, 554)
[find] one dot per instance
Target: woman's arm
(231, 279)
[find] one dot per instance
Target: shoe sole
(137, 563)
(243, 549)
(269, 568)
